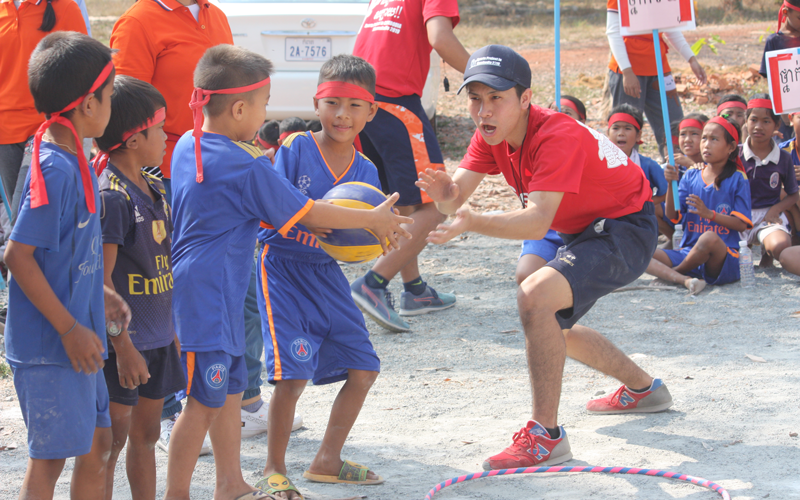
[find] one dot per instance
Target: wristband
(62, 335)
(715, 216)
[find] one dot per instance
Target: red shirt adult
(160, 42)
(560, 154)
(19, 35)
(394, 39)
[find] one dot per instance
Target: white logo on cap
(486, 61)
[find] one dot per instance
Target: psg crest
(216, 375)
(301, 349)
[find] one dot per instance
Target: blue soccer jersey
(69, 251)
(732, 198)
(300, 161)
(653, 171)
(215, 223)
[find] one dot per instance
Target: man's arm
(445, 42)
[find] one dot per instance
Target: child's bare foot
(694, 285)
(766, 260)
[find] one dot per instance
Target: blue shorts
(401, 142)
(728, 274)
(545, 248)
(212, 376)
(608, 254)
(312, 328)
(61, 409)
(166, 376)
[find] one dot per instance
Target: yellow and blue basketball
(353, 245)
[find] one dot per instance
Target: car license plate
(308, 49)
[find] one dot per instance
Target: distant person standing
(397, 37)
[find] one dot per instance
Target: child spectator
(788, 34)
(330, 342)
(220, 196)
(56, 330)
(572, 107)
(290, 126)
(268, 136)
(769, 170)
(143, 363)
(790, 147)
(715, 207)
(733, 106)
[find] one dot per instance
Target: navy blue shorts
(608, 254)
(312, 328)
(728, 274)
(61, 408)
(166, 376)
(401, 142)
(545, 248)
(212, 376)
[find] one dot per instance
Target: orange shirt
(160, 42)
(641, 52)
(19, 35)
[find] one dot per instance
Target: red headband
(730, 104)
(781, 16)
(101, 160)
(200, 98)
(727, 126)
(759, 103)
(691, 122)
(37, 187)
(265, 144)
(344, 89)
(287, 134)
(571, 105)
(623, 117)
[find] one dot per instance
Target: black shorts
(608, 254)
(166, 376)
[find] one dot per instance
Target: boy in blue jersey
(329, 342)
(55, 334)
(143, 363)
(222, 187)
(715, 207)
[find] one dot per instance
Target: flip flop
(351, 473)
(256, 495)
(276, 483)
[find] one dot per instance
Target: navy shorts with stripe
(312, 328)
(212, 376)
(61, 409)
(166, 376)
(728, 274)
(608, 254)
(401, 142)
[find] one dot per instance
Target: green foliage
(765, 35)
(711, 42)
(5, 370)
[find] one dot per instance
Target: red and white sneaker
(655, 399)
(532, 447)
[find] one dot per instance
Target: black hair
(770, 113)
(270, 132)
(628, 110)
(314, 125)
(49, 17)
(675, 129)
(732, 98)
(732, 164)
(226, 67)
(348, 68)
(520, 89)
(63, 67)
(293, 124)
(577, 102)
(132, 104)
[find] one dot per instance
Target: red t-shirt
(563, 155)
(393, 38)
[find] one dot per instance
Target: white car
(298, 36)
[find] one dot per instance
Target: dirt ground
(454, 390)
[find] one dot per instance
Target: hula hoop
(589, 468)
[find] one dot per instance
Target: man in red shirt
(572, 179)
(396, 38)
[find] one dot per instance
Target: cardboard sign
(783, 76)
(641, 17)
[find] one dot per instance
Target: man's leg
(653, 110)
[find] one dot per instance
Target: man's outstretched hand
(438, 184)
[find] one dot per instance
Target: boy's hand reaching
(387, 224)
(84, 350)
(438, 184)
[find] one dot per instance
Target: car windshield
(294, 1)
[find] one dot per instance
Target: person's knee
(543, 293)
(779, 243)
(145, 434)
(362, 379)
(290, 388)
(710, 242)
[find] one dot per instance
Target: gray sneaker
(428, 301)
(166, 431)
(377, 303)
(655, 399)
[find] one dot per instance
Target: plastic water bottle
(677, 237)
(746, 272)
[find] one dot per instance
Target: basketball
(353, 245)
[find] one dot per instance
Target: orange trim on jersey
(680, 217)
(352, 160)
(265, 288)
(189, 371)
(299, 215)
(415, 134)
(741, 216)
(733, 253)
(266, 226)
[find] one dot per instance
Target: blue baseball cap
(498, 67)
